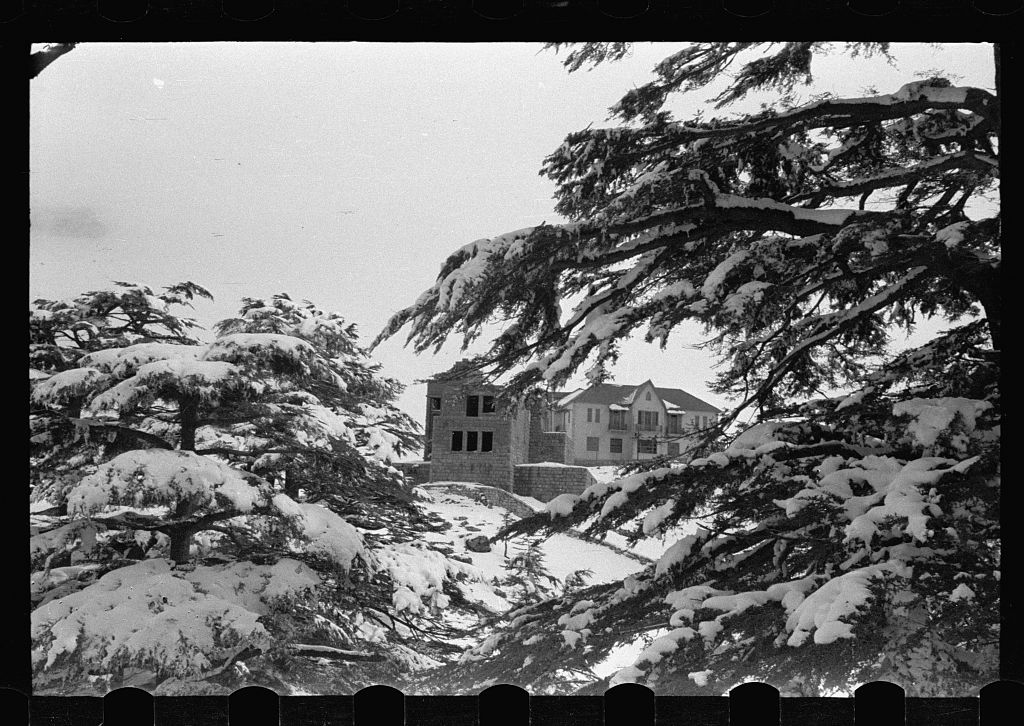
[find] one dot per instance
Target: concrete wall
(547, 482)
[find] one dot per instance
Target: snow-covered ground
(563, 553)
(470, 517)
(604, 473)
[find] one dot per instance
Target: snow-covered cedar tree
(843, 538)
(61, 332)
(207, 515)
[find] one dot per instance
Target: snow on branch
(452, 297)
(323, 532)
(158, 477)
(418, 575)
(827, 611)
(125, 362)
(900, 175)
(182, 623)
(265, 349)
(911, 98)
(201, 379)
(69, 384)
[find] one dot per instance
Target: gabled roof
(565, 398)
(609, 393)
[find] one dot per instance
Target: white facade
(640, 425)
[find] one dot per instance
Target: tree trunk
(188, 414)
(181, 543)
(181, 535)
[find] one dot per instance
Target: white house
(614, 424)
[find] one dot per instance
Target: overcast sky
(342, 173)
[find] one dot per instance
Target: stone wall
(547, 445)
(519, 436)
(550, 446)
(416, 472)
(545, 482)
(493, 468)
(491, 496)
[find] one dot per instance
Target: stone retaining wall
(491, 496)
(416, 472)
(489, 469)
(545, 482)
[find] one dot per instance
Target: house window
(435, 403)
(617, 420)
(615, 446)
(471, 437)
(486, 440)
(456, 441)
(648, 420)
(673, 449)
(597, 415)
(646, 446)
(592, 443)
(472, 405)
(488, 404)
(648, 396)
(590, 415)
